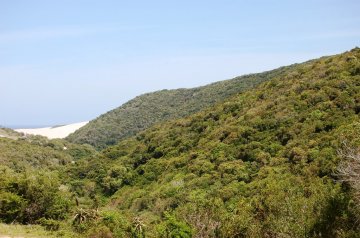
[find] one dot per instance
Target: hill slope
(261, 164)
(149, 109)
(32, 185)
(9, 133)
(37, 152)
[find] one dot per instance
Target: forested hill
(272, 161)
(39, 153)
(261, 164)
(151, 108)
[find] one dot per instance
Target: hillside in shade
(146, 110)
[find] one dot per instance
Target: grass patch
(32, 231)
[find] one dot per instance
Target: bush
(30, 196)
(173, 228)
(11, 206)
(49, 224)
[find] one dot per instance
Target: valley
(259, 155)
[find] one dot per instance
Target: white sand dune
(54, 132)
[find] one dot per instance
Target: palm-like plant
(138, 230)
(83, 215)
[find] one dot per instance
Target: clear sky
(71, 60)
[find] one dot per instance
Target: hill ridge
(155, 107)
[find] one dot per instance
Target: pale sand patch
(11, 237)
(54, 132)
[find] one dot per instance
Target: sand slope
(54, 132)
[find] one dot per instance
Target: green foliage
(106, 223)
(116, 223)
(11, 206)
(29, 196)
(38, 152)
(84, 219)
(49, 224)
(173, 228)
(263, 163)
(152, 108)
(20, 155)
(260, 164)
(100, 232)
(29, 192)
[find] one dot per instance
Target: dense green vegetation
(32, 188)
(268, 162)
(37, 152)
(151, 108)
(261, 164)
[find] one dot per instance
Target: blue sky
(71, 60)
